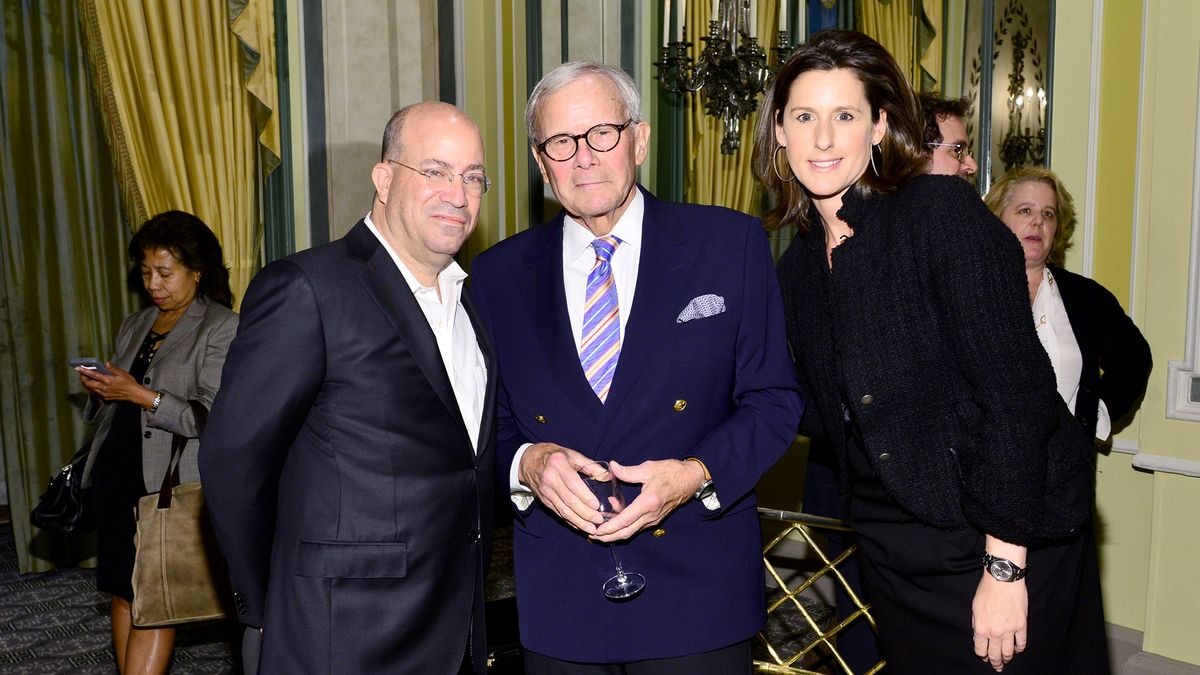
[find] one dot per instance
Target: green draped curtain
(62, 257)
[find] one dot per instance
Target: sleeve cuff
(522, 497)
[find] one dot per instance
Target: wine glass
(601, 481)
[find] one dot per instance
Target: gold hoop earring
(873, 149)
(775, 165)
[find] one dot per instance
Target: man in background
(946, 141)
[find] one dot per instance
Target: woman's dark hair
(193, 244)
(901, 153)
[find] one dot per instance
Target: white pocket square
(701, 307)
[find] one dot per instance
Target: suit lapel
(129, 341)
(543, 269)
(664, 265)
(388, 288)
(487, 423)
(187, 324)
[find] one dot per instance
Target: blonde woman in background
(1100, 359)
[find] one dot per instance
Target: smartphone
(91, 363)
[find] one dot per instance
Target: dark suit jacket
(186, 367)
(346, 496)
(719, 388)
(1109, 342)
(922, 332)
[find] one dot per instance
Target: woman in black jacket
(909, 322)
(1100, 358)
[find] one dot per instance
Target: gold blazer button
(659, 532)
(540, 419)
(680, 405)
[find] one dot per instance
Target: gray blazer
(187, 367)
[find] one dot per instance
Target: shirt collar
(453, 274)
(577, 239)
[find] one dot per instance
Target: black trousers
(732, 660)
(921, 581)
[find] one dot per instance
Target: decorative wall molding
(1093, 142)
(1180, 373)
(1125, 447)
(1165, 464)
(1136, 230)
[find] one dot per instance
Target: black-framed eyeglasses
(476, 183)
(960, 149)
(600, 138)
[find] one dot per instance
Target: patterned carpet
(57, 622)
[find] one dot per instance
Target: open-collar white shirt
(1058, 339)
(456, 341)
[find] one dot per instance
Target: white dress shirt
(1054, 330)
(578, 259)
(456, 342)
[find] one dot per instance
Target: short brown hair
(936, 109)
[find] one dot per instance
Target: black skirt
(921, 580)
(117, 485)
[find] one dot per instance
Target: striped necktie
(601, 343)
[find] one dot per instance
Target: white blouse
(1054, 330)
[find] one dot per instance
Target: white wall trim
(1165, 464)
(1135, 231)
(1180, 373)
(1088, 253)
(1125, 447)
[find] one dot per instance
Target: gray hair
(560, 77)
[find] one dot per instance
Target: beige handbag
(179, 575)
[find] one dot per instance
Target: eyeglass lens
(600, 138)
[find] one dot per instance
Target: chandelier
(732, 70)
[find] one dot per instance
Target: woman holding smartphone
(166, 355)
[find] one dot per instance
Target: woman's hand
(1000, 610)
(120, 386)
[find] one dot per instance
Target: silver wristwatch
(1003, 570)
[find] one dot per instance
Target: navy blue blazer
(720, 388)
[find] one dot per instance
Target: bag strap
(178, 442)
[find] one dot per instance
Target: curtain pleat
(932, 54)
(62, 259)
(185, 131)
(712, 177)
(891, 23)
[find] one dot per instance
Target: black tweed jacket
(922, 330)
(1116, 358)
